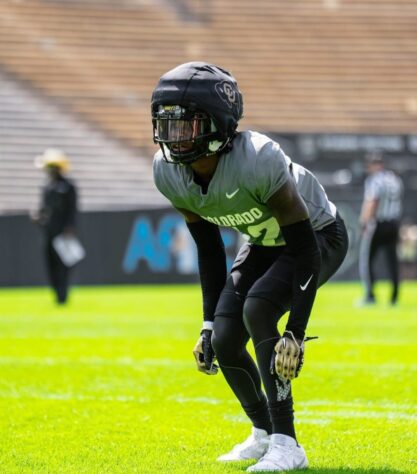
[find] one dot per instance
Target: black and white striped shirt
(387, 188)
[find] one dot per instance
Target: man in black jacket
(56, 216)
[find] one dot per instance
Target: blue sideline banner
(154, 246)
(144, 246)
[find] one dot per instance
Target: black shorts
(267, 272)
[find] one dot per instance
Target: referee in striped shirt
(379, 220)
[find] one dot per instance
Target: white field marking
(377, 366)
(74, 396)
(126, 361)
(331, 341)
(128, 334)
(368, 324)
(237, 418)
(109, 398)
(360, 404)
(94, 360)
(165, 362)
(308, 416)
(244, 419)
(366, 414)
(327, 418)
(203, 400)
(358, 409)
(314, 421)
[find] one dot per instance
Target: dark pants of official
(257, 293)
(380, 237)
(58, 273)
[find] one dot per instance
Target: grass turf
(108, 385)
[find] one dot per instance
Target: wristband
(207, 325)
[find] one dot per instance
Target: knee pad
(259, 312)
(229, 338)
(223, 346)
(217, 342)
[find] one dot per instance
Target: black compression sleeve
(301, 242)
(211, 263)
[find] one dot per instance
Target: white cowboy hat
(53, 157)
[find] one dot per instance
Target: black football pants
(379, 237)
(257, 293)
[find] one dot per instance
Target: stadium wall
(153, 246)
(149, 246)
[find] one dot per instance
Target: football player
(216, 176)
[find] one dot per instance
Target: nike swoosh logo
(304, 287)
(229, 196)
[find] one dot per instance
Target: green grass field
(108, 385)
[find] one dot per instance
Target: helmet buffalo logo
(227, 93)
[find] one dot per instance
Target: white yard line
(123, 361)
(358, 409)
(128, 361)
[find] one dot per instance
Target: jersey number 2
(267, 231)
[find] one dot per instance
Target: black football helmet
(196, 108)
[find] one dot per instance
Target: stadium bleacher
(305, 66)
(110, 176)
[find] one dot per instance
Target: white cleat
(253, 448)
(284, 454)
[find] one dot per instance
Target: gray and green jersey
(244, 180)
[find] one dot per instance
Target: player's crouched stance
(216, 176)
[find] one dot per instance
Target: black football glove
(204, 354)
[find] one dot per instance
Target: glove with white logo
(204, 354)
(288, 356)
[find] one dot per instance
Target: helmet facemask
(185, 134)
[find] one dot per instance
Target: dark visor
(174, 124)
